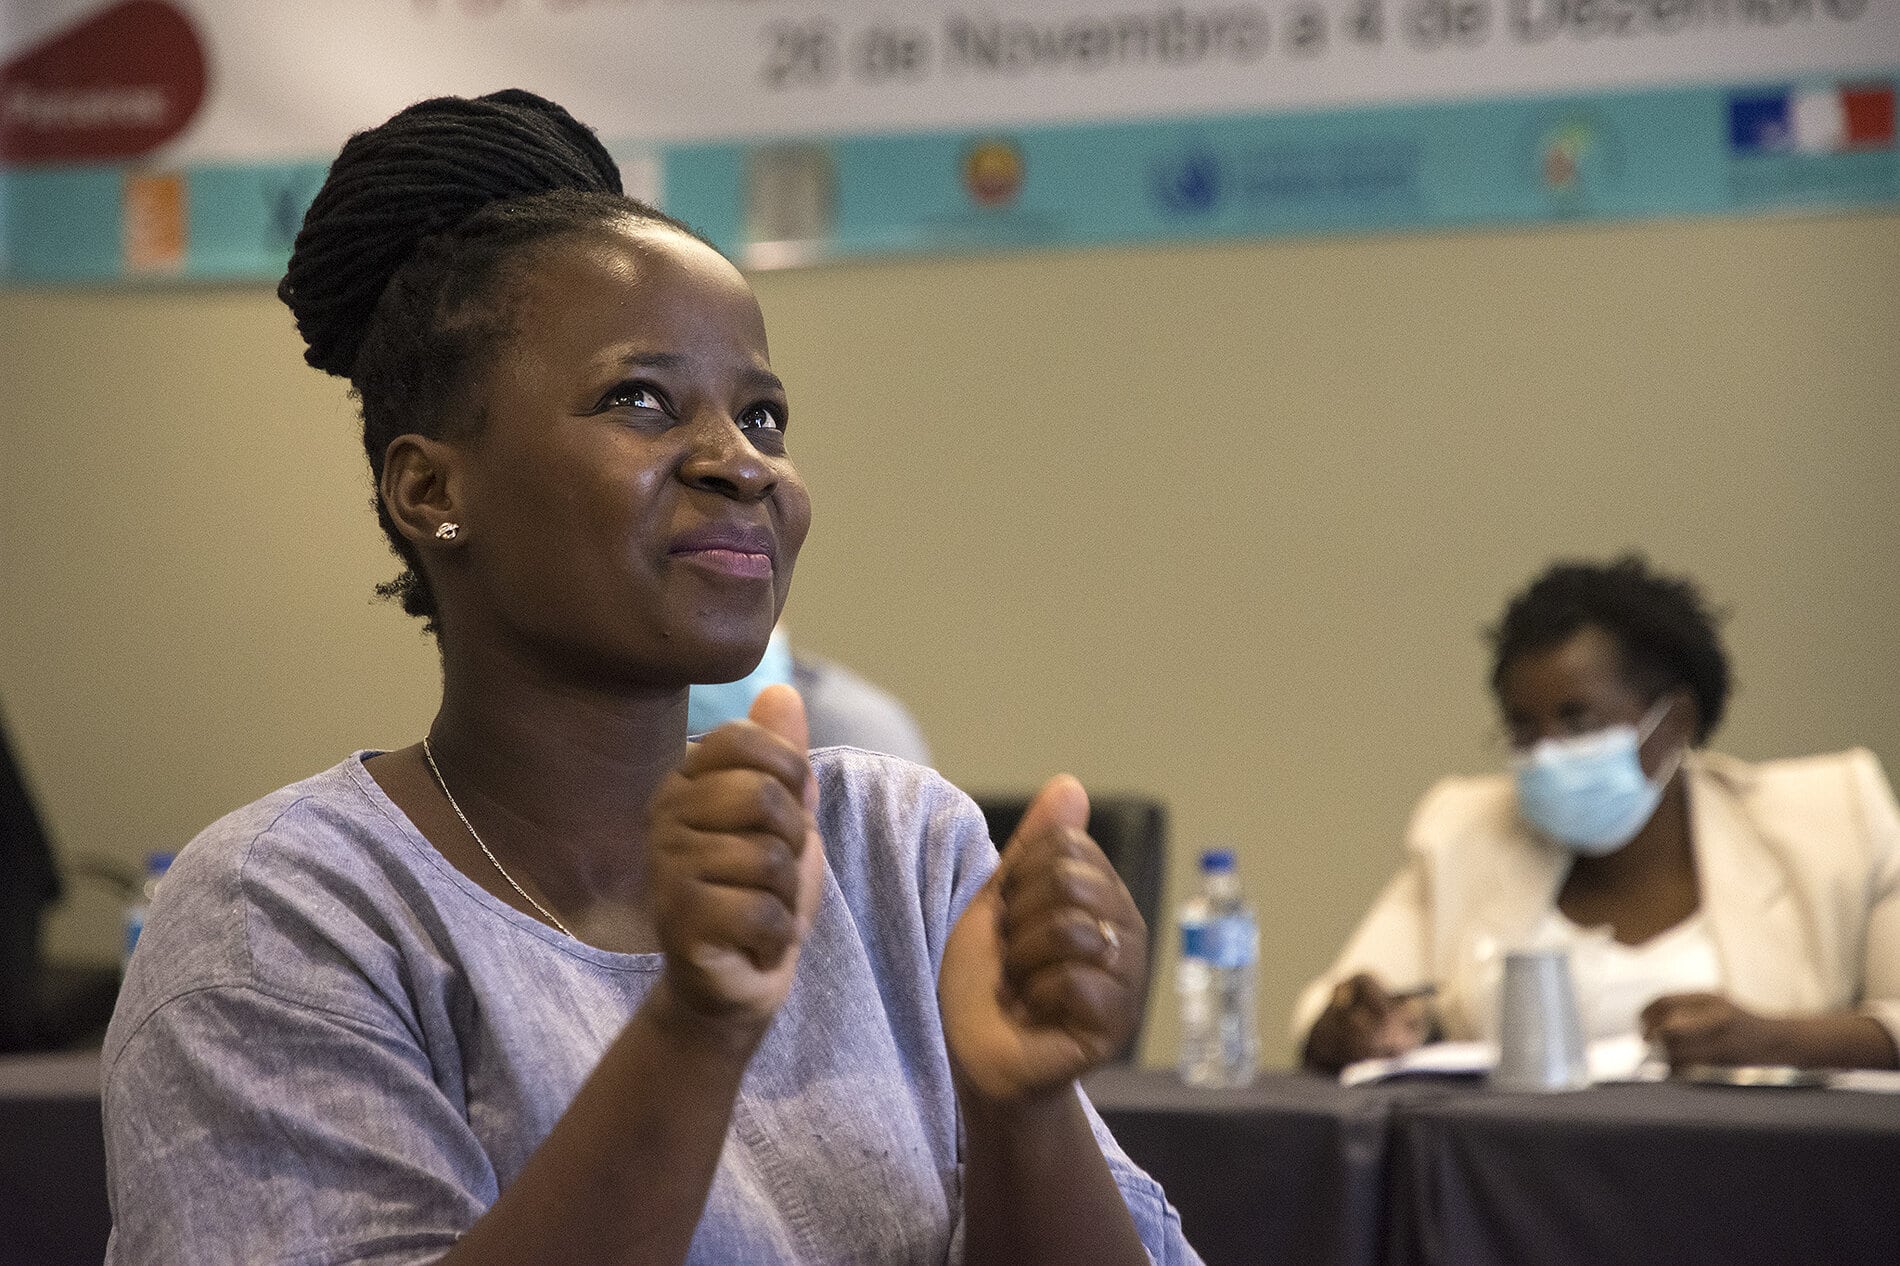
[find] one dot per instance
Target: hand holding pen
(1365, 1020)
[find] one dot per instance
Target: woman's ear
(421, 478)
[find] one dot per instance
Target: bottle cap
(1217, 861)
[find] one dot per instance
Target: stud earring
(447, 531)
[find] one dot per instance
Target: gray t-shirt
(333, 1046)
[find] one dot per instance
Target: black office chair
(29, 885)
(43, 1006)
(1133, 833)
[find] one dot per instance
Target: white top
(1616, 981)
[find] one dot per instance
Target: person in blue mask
(842, 709)
(1731, 913)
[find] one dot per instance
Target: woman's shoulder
(1462, 808)
(333, 790)
(335, 822)
(1821, 773)
(1842, 796)
(860, 790)
(263, 896)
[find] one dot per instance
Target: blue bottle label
(1194, 940)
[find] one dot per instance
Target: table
(52, 1161)
(1291, 1169)
(1297, 1169)
(1648, 1173)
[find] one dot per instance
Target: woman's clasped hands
(1042, 975)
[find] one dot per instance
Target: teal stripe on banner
(1648, 154)
(1712, 150)
(70, 224)
(61, 225)
(244, 219)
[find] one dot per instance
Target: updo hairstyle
(1663, 628)
(403, 277)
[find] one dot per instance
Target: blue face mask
(709, 707)
(1589, 793)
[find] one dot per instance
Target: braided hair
(404, 272)
(1664, 630)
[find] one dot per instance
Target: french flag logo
(1846, 117)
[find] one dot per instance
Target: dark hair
(1662, 626)
(400, 278)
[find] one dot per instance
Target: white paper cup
(1540, 1038)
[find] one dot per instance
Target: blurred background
(1217, 518)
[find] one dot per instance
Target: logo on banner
(993, 172)
(1837, 120)
(154, 221)
(116, 85)
(1576, 157)
(1189, 183)
(791, 197)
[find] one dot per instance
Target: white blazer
(1798, 862)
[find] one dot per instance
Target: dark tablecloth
(1296, 1169)
(1291, 1169)
(52, 1161)
(1666, 1173)
(1445, 1172)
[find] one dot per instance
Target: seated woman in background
(553, 984)
(1733, 913)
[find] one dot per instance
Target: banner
(166, 138)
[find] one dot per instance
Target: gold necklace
(475, 835)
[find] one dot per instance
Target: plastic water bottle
(156, 864)
(1220, 945)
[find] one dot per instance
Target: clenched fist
(1042, 976)
(737, 864)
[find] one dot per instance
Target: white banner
(289, 79)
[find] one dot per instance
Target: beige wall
(1217, 523)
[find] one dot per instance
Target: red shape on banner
(116, 85)
(1869, 111)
